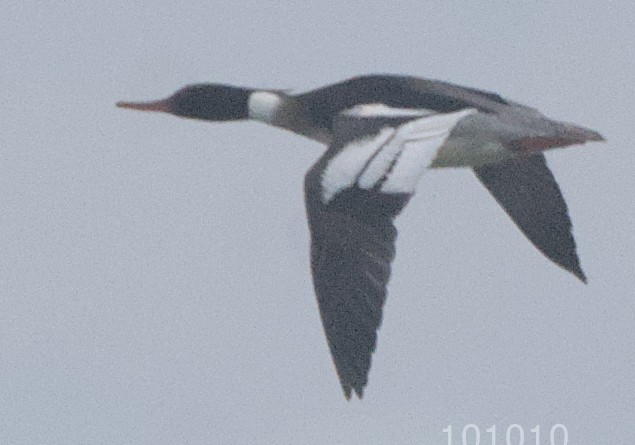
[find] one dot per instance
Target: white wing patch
(342, 171)
(383, 110)
(381, 163)
(420, 140)
(397, 156)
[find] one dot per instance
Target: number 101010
(513, 435)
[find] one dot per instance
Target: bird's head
(214, 102)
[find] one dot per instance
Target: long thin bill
(163, 105)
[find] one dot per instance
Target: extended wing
(527, 190)
(353, 193)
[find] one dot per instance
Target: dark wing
(353, 193)
(530, 195)
(352, 246)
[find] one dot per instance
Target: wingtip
(581, 276)
(577, 271)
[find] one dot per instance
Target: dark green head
(214, 102)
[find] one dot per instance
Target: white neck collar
(263, 106)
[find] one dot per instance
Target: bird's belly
(468, 152)
(483, 138)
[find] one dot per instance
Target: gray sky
(154, 279)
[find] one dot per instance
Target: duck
(382, 132)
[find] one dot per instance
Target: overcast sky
(154, 278)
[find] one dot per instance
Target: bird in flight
(382, 132)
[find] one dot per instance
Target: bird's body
(382, 132)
